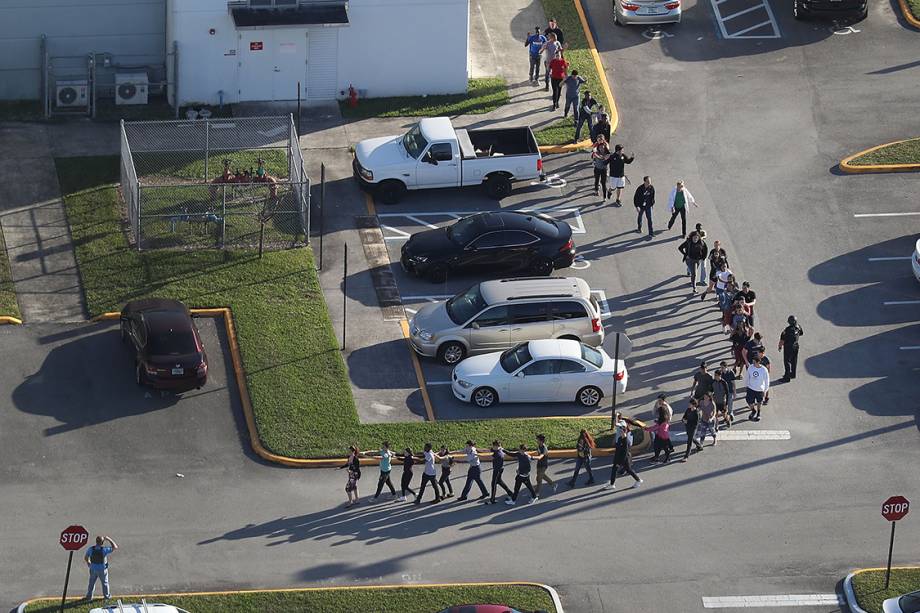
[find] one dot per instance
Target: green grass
(20, 110)
(907, 152)
(579, 57)
(401, 600)
(482, 96)
(166, 167)
(870, 589)
(8, 304)
(914, 6)
(296, 376)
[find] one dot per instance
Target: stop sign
(895, 508)
(74, 537)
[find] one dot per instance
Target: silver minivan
(496, 315)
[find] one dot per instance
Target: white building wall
(207, 63)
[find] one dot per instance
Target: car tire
(451, 353)
(588, 396)
(139, 373)
(391, 192)
(437, 273)
(498, 187)
(541, 267)
(484, 397)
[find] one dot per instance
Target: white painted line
(910, 348)
(779, 600)
(743, 435)
(858, 215)
(888, 259)
(893, 302)
(745, 12)
(422, 223)
(437, 382)
(602, 302)
(746, 30)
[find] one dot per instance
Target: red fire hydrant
(352, 96)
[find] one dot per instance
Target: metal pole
(305, 196)
(322, 206)
(207, 146)
(344, 295)
(616, 366)
(890, 549)
(298, 110)
(66, 580)
(92, 78)
(176, 77)
(223, 214)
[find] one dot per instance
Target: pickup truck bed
(488, 143)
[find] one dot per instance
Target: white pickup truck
(433, 154)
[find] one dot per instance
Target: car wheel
(139, 373)
(437, 273)
(484, 397)
(541, 267)
(498, 187)
(391, 192)
(451, 353)
(588, 396)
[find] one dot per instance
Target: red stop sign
(895, 508)
(74, 537)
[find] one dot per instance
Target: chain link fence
(219, 183)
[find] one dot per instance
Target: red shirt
(557, 68)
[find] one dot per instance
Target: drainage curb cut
(908, 14)
(850, 595)
(847, 166)
(549, 589)
(9, 319)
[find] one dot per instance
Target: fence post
(298, 110)
(223, 214)
(207, 146)
(92, 80)
(43, 85)
(137, 211)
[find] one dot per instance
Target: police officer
(789, 343)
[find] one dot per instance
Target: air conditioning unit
(131, 88)
(72, 93)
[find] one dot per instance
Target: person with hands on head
(97, 561)
(678, 201)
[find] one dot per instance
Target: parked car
(168, 353)
(496, 315)
(646, 12)
(142, 607)
(802, 9)
(908, 603)
(434, 154)
(550, 370)
(497, 242)
(915, 261)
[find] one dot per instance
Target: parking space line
(909, 348)
(438, 382)
(907, 214)
(421, 223)
(772, 600)
(419, 375)
(894, 302)
(746, 30)
(890, 258)
(743, 34)
(401, 235)
(745, 12)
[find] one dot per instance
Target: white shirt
(429, 463)
(472, 457)
(722, 278)
(757, 378)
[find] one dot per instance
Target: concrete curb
(850, 594)
(908, 14)
(553, 594)
(9, 319)
(847, 166)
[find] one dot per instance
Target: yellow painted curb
(908, 14)
(865, 570)
(419, 375)
(9, 319)
(552, 592)
(848, 167)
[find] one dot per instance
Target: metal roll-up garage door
(322, 63)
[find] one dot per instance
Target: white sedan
(557, 370)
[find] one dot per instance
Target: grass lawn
(402, 600)
(907, 152)
(8, 304)
(579, 57)
(482, 96)
(914, 6)
(297, 379)
(870, 586)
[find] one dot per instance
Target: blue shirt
(385, 456)
(535, 42)
(105, 551)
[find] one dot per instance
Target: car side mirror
(474, 326)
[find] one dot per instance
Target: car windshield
(464, 230)
(414, 142)
(592, 355)
(464, 305)
(172, 342)
(515, 357)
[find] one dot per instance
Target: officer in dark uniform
(789, 343)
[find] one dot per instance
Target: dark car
(499, 242)
(857, 9)
(168, 353)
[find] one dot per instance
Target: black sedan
(168, 353)
(499, 242)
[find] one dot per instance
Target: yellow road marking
(422, 386)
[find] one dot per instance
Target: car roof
(437, 129)
(154, 304)
(502, 290)
(520, 220)
(554, 348)
(160, 322)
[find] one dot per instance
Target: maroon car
(168, 353)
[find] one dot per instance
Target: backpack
(97, 555)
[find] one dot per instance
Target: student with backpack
(97, 562)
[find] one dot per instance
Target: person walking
(386, 465)
(663, 410)
(429, 475)
(353, 465)
(447, 462)
(757, 382)
(523, 475)
(473, 473)
(691, 421)
(534, 46)
(749, 297)
(716, 257)
(707, 419)
(694, 250)
(602, 126)
(702, 382)
(723, 274)
(622, 455)
(617, 165)
(557, 71)
(752, 348)
(722, 397)
(498, 467)
(553, 28)
(600, 154)
(662, 431)
(644, 200)
(728, 376)
(408, 461)
(678, 201)
(583, 450)
(550, 48)
(97, 561)
(542, 459)
(585, 113)
(789, 344)
(573, 84)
